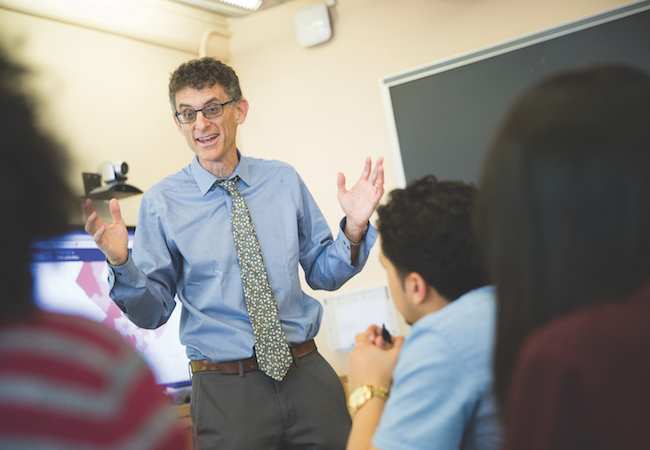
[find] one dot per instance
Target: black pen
(386, 335)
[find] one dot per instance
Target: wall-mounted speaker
(312, 25)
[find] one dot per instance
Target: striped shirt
(68, 382)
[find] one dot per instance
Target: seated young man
(432, 389)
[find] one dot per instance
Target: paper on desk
(350, 314)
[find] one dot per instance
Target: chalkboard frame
(390, 86)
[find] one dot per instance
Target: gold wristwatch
(364, 393)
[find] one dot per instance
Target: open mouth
(208, 139)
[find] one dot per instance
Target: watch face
(364, 393)
(359, 396)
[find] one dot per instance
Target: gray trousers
(306, 410)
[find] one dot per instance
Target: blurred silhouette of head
(35, 199)
(564, 211)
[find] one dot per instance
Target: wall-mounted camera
(114, 175)
(113, 171)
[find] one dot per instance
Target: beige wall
(104, 96)
(319, 108)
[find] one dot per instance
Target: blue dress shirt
(184, 245)
(441, 397)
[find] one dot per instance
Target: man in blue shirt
(432, 390)
(184, 246)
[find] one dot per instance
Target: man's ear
(242, 110)
(416, 288)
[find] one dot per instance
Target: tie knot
(228, 185)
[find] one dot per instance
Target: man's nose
(201, 120)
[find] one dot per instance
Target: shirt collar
(205, 180)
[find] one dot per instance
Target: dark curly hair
(204, 73)
(35, 198)
(428, 228)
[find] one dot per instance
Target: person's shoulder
(562, 328)
(107, 373)
(570, 340)
(74, 341)
(255, 164)
(78, 329)
(479, 300)
(465, 328)
(599, 329)
(474, 310)
(272, 172)
(171, 183)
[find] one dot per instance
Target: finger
(372, 331)
(97, 237)
(398, 341)
(340, 183)
(366, 169)
(91, 219)
(377, 175)
(371, 334)
(361, 339)
(115, 211)
(87, 208)
(381, 343)
(90, 225)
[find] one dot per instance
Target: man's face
(397, 291)
(213, 140)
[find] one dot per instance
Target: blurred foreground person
(65, 382)
(564, 220)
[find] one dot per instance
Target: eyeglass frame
(178, 114)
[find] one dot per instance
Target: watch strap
(362, 394)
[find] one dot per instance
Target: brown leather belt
(232, 367)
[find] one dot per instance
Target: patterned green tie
(273, 355)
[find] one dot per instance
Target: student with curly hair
(434, 388)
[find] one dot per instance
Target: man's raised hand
(360, 201)
(111, 238)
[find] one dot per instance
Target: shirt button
(119, 274)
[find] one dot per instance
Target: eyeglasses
(209, 112)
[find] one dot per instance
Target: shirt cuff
(369, 237)
(349, 245)
(120, 274)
